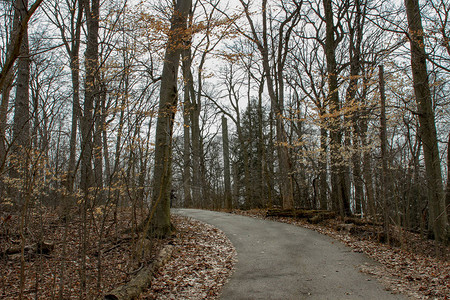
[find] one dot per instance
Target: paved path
(282, 261)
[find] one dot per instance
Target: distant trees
(281, 106)
(226, 164)
(273, 72)
(284, 104)
(332, 70)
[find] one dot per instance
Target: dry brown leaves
(413, 269)
(202, 262)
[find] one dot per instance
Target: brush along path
(202, 261)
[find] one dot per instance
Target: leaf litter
(202, 261)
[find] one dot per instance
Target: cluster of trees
(335, 105)
(338, 105)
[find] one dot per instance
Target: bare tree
(21, 129)
(226, 164)
(161, 225)
(275, 81)
(71, 41)
(436, 206)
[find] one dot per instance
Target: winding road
(282, 261)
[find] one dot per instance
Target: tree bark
(187, 107)
(73, 52)
(447, 194)
(384, 157)
(161, 225)
(436, 200)
(192, 107)
(323, 166)
(339, 193)
(356, 34)
(91, 8)
(14, 50)
(21, 123)
(196, 159)
(263, 173)
(16, 41)
(226, 164)
(186, 150)
(97, 142)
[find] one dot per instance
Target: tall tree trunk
(234, 101)
(97, 142)
(357, 175)
(261, 147)
(226, 164)
(277, 101)
(187, 107)
(436, 200)
(21, 127)
(384, 157)
(194, 108)
(447, 194)
(117, 152)
(3, 118)
(8, 76)
(206, 188)
(339, 193)
(323, 166)
(190, 183)
(21, 122)
(196, 159)
(356, 34)
(91, 8)
(234, 169)
(76, 114)
(186, 149)
(246, 143)
(104, 133)
(368, 204)
(74, 52)
(161, 225)
(368, 179)
(270, 163)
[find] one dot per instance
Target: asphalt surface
(282, 261)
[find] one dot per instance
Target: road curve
(282, 261)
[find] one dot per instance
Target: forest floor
(416, 267)
(61, 271)
(202, 260)
(53, 266)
